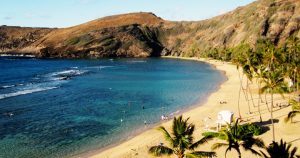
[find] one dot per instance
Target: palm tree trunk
(258, 104)
(266, 100)
(249, 110)
(238, 151)
(295, 83)
(180, 155)
(239, 109)
(298, 81)
(251, 96)
(272, 121)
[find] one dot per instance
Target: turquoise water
(61, 108)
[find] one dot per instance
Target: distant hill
(271, 19)
(145, 34)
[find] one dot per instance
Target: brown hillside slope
(126, 35)
(147, 19)
(17, 38)
(275, 20)
(144, 34)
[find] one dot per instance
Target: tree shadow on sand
(265, 124)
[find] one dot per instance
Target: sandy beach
(137, 147)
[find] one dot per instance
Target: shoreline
(179, 112)
(197, 104)
(138, 145)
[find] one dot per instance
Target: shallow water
(60, 108)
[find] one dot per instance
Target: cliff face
(20, 39)
(275, 20)
(127, 35)
(144, 34)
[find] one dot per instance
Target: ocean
(61, 108)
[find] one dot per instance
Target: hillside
(145, 34)
(261, 19)
(127, 35)
(20, 38)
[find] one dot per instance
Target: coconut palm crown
(181, 140)
(236, 137)
(280, 150)
(295, 110)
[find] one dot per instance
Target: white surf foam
(66, 74)
(137, 61)
(23, 92)
(7, 86)
(100, 67)
(69, 72)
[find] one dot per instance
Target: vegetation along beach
(150, 79)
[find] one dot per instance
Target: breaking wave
(26, 91)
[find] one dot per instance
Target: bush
(73, 41)
(251, 129)
(246, 130)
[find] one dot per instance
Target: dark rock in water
(65, 78)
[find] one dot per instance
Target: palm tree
(293, 62)
(236, 137)
(280, 150)
(273, 77)
(240, 60)
(295, 110)
(254, 68)
(273, 81)
(248, 71)
(180, 141)
(259, 73)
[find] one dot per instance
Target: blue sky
(64, 13)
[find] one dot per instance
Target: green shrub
(80, 40)
(215, 134)
(107, 42)
(245, 130)
(251, 129)
(73, 41)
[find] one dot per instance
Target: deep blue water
(60, 108)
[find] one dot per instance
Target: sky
(66, 13)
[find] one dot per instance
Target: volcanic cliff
(145, 34)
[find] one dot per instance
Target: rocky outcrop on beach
(145, 34)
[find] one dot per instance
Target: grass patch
(80, 41)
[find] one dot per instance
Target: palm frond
(253, 151)
(259, 142)
(281, 149)
(201, 154)
(166, 135)
(160, 150)
(226, 151)
(291, 115)
(218, 145)
(295, 104)
(200, 142)
(249, 142)
(263, 154)
(293, 152)
(264, 89)
(211, 134)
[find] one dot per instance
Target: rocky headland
(146, 35)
